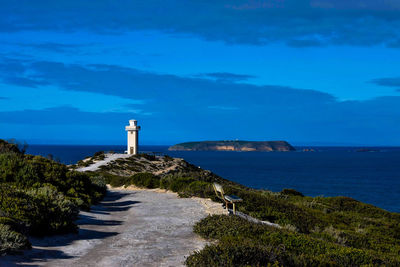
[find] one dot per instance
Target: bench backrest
(219, 191)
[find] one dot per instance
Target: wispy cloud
(67, 115)
(53, 47)
(300, 43)
(223, 107)
(21, 81)
(388, 82)
(299, 23)
(225, 76)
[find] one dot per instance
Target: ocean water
(371, 177)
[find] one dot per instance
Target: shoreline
(135, 226)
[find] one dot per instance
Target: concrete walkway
(128, 228)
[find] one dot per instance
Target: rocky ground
(128, 165)
(97, 163)
(130, 227)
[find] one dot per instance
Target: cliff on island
(233, 146)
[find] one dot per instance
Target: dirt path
(128, 228)
(108, 158)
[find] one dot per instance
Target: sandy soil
(131, 227)
(210, 207)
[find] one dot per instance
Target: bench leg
(226, 205)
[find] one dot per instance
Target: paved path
(108, 158)
(129, 228)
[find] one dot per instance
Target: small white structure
(133, 137)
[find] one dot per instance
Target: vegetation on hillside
(242, 243)
(39, 197)
(327, 231)
(100, 155)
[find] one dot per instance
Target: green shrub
(99, 155)
(218, 226)
(99, 187)
(7, 221)
(43, 210)
(179, 184)
(11, 241)
(7, 147)
(165, 182)
(14, 224)
(168, 158)
(10, 164)
(291, 192)
(244, 252)
(187, 186)
(197, 188)
(146, 156)
(39, 196)
(275, 209)
(85, 163)
(27, 171)
(244, 243)
(116, 180)
(145, 179)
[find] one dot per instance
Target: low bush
(11, 241)
(84, 163)
(179, 184)
(99, 187)
(291, 192)
(142, 179)
(243, 243)
(273, 208)
(42, 210)
(168, 158)
(116, 180)
(7, 147)
(39, 196)
(99, 155)
(244, 252)
(198, 189)
(146, 156)
(146, 180)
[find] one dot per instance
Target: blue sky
(310, 72)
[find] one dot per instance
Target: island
(233, 145)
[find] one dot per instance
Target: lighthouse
(133, 137)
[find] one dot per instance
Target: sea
(370, 175)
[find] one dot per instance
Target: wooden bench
(228, 199)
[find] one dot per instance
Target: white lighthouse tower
(133, 137)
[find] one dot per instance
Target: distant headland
(233, 145)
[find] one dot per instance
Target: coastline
(370, 177)
(151, 222)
